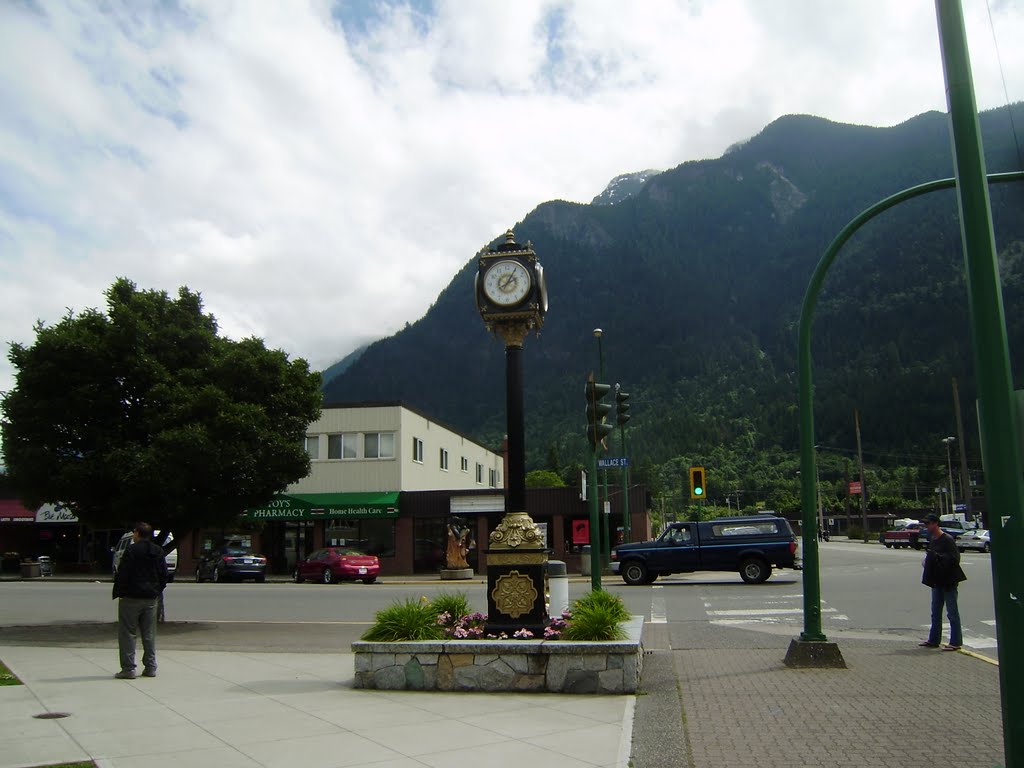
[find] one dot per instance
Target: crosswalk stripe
(765, 612)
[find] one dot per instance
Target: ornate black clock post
(512, 298)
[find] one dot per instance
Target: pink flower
(523, 633)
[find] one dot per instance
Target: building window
(379, 445)
(312, 444)
(480, 474)
(372, 536)
(342, 446)
(444, 459)
(492, 478)
(465, 464)
(417, 450)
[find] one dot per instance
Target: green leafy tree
(543, 478)
(144, 412)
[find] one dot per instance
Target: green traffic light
(698, 491)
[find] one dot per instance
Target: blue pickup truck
(751, 546)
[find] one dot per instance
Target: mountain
(696, 277)
(331, 371)
(623, 186)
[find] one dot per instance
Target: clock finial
(510, 236)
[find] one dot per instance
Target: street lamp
(949, 467)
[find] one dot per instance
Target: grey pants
(134, 615)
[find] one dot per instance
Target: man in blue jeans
(942, 572)
(140, 580)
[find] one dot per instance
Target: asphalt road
(867, 591)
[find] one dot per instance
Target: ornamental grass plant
(455, 604)
(596, 617)
(406, 620)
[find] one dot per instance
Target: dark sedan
(333, 564)
(231, 563)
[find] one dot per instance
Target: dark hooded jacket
(142, 572)
(942, 564)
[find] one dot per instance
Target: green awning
(306, 506)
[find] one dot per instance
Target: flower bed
(553, 666)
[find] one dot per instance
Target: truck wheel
(888, 545)
(754, 570)
(634, 572)
(651, 578)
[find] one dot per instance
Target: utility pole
(965, 480)
(863, 482)
(949, 467)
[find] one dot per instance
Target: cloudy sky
(319, 171)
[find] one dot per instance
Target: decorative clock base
(516, 589)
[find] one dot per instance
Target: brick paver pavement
(895, 706)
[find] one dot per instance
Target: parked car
(976, 539)
(122, 544)
(231, 562)
(333, 564)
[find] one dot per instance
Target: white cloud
(320, 181)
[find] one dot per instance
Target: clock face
(507, 283)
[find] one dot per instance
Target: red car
(333, 564)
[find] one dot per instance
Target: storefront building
(390, 481)
(367, 462)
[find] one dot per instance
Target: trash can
(558, 588)
(29, 570)
(45, 566)
(585, 560)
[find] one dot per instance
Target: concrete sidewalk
(724, 700)
(221, 710)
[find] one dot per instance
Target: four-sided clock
(510, 285)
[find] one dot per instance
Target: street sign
(959, 507)
(855, 487)
(613, 462)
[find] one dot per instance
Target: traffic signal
(697, 489)
(597, 427)
(621, 406)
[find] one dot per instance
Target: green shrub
(596, 616)
(455, 604)
(855, 532)
(601, 598)
(596, 622)
(408, 620)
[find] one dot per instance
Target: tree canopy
(145, 412)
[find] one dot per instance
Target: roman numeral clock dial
(507, 283)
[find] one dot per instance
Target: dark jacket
(142, 572)
(942, 564)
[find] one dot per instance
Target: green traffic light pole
(595, 549)
(626, 522)
(995, 383)
(596, 430)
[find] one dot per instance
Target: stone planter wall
(552, 666)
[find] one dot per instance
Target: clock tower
(512, 298)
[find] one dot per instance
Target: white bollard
(558, 588)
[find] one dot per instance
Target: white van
(122, 545)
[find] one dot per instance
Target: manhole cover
(51, 715)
